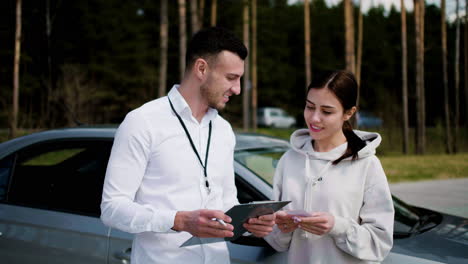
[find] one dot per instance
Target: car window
(262, 162)
(273, 113)
(52, 157)
(61, 175)
(247, 193)
(5, 169)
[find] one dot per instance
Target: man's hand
(200, 223)
(319, 223)
(285, 222)
(261, 226)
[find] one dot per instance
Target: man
(171, 166)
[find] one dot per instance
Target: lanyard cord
(207, 184)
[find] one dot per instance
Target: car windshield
(263, 161)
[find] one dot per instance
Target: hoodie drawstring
(310, 183)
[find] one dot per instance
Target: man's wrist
(179, 221)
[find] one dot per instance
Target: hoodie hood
(301, 142)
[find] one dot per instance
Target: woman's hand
(285, 222)
(318, 223)
(261, 226)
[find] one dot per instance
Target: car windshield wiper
(422, 222)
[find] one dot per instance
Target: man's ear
(200, 68)
(349, 113)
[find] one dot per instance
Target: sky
(366, 4)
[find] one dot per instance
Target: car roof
(243, 140)
(258, 141)
(54, 134)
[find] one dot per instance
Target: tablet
(240, 214)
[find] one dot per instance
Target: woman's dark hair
(211, 41)
(344, 86)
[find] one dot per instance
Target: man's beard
(211, 97)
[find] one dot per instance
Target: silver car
(50, 192)
(274, 117)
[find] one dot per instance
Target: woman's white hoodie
(355, 192)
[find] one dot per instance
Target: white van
(274, 117)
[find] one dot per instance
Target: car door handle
(124, 255)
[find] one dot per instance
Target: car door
(120, 247)
(282, 118)
(49, 210)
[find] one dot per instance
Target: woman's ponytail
(355, 143)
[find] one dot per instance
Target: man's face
(223, 79)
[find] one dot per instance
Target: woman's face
(324, 115)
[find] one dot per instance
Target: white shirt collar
(183, 109)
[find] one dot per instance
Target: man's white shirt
(153, 172)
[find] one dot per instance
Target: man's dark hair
(211, 41)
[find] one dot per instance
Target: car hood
(447, 242)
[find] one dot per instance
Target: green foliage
(117, 44)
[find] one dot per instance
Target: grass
(399, 167)
(427, 167)
(392, 141)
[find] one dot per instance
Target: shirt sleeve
(229, 188)
(372, 238)
(125, 171)
(278, 240)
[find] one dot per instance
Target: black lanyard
(207, 184)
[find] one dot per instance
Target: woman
(341, 209)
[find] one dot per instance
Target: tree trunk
(308, 70)
(349, 36)
(417, 29)
(182, 38)
(213, 13)
(423, 89)
(448, 136)
(254, 65)
(359, 49)
(245, 96)
(420, 108)
(466, 64)
(404, 74)
(201, 13)
(194, 16)
(16, 65)
(49, 61)
(163, 42)
(457, 79)
(358, 62)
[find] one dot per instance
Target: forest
(92, 61)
